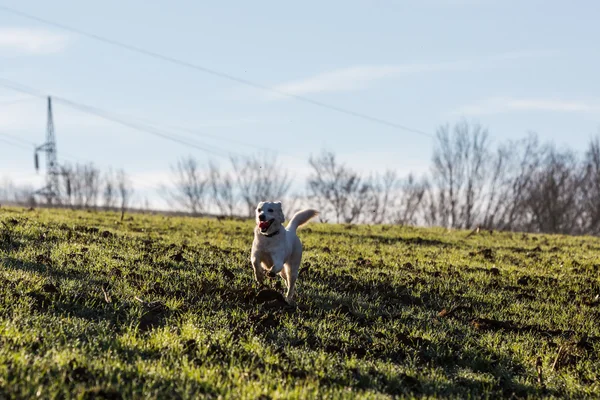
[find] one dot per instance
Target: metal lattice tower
(51, 191)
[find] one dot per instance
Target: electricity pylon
(52, 190)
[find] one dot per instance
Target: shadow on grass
(388, 240)
(404, 351)
(449, 352)
(88, 303)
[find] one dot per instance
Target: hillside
(165, 307)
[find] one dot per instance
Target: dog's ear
(280, 211)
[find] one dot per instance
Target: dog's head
(269, 217)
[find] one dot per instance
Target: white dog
(278, 250)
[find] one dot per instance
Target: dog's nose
(262, 217)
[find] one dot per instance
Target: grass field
(165, 307)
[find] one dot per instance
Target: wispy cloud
(352, 78)
(32, 41)
(501, 105)
(361, 77)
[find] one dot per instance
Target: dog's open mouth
(265, 225)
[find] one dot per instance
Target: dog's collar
(273, 234)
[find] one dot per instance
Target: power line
(139, 127)
(112, 117)
(217, 137)
(30, 143)
(12, 143)
(10, 140)
(140, 124)
(24, 142)
(13, 137)
(195, 132)
(13, 140)
(37, 93)
(5, 103)
(213, 72)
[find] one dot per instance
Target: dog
(275, 249)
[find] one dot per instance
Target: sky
(512, 66)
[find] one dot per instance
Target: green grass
(382, 312)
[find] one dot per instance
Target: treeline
(81, 185)
(521, 185)
(233, 191)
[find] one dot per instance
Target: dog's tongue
(263, 224)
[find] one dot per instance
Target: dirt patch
(266, 295)
(154, 315)
(484, 324)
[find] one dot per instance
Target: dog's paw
(291, 302)
(261, 285)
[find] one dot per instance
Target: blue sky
(513, 66)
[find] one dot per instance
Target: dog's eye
(258, 210)
(270, 210)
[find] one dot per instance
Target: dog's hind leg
(291, 273)
(283, 275)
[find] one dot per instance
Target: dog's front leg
(259, 273)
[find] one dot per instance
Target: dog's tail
(301, 218)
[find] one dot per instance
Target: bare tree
(259, 178)
(411, 201)
(25, 195)
(222, 188)
(109, 191)
(344, 192)
(291, 204)
(395, 200)
(432, 205)
(17, 194)
(90, 178)
(322, 204)
(460, 160)
(146, 204)
(591, 189)
(496, 201)
(513, 170)
(382, 195)
(7, 190)
(80, 185)
(124, 190)
(554, 194)
(65, 182)
(72, 184)
(190, 186)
